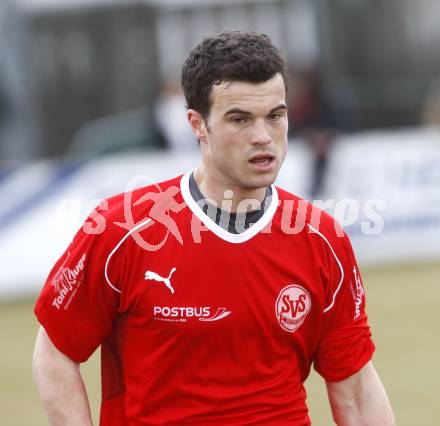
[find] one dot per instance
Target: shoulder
(119, 214)
(139, 201)
(307, 216)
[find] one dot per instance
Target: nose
(260, 134)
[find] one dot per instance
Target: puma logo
(150, 275)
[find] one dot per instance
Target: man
(208, 305)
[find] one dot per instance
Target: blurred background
(90, 105)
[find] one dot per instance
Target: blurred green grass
(403, 305)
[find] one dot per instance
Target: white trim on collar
(218, 230)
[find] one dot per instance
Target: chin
(262, 181)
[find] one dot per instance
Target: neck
(227, 196)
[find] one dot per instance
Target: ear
(197, 124)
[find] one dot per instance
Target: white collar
(218, 230)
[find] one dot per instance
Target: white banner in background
(386, 191)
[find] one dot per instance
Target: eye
(275, 116)
(239, 120)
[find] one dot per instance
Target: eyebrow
(243, 112)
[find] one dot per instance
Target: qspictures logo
(66, 282)
(292, 306)
(164, 204)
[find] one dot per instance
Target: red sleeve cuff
(344, 352)
(61, 338)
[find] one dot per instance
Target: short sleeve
(77, 306)
(345, 345)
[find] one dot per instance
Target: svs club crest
(292, 306)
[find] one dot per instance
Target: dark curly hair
(228, 56)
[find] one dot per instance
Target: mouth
(263, 162)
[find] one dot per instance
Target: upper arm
(345, 345)
(346, 389)
(49, 364)
(46, 353)
(360, 399)
(77, 306)
(345, 348)
(59, 384)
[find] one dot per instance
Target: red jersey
(201, 326)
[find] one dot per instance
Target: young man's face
(244, 139)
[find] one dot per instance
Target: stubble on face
(246, 137)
